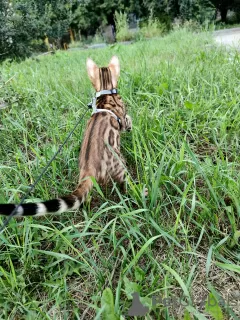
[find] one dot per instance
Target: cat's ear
(92, 70)
(114, 66)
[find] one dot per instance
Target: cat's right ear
(92, 70)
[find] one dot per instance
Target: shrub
(193, 25)
(98, 38)
(122, 28)
(153, 28)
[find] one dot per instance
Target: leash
(6, 222)
(92, 105)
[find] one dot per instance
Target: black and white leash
(95, 110)
(5, 223)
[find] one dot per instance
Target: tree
(198, 10)
(90, 15)
(5, 37)
(223, 6)
(24, 21)
(19, 26)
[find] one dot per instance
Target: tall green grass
(182, 240)
(152, 28)
(123, 33)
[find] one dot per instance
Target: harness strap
(112, 114)
(94, 107)
(103, 92)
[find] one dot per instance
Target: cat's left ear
(114, 66)
(92, 70)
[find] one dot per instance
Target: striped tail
(60, 205)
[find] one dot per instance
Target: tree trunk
(71, 35)
(223, 12)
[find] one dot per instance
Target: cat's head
(104, 78)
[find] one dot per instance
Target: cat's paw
(128, 123)
(145, 192)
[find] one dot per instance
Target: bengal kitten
(100, 156)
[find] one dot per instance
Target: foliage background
(25, 23)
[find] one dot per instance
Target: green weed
(181, 241)
(123, 33)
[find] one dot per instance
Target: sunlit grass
(184, 147)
